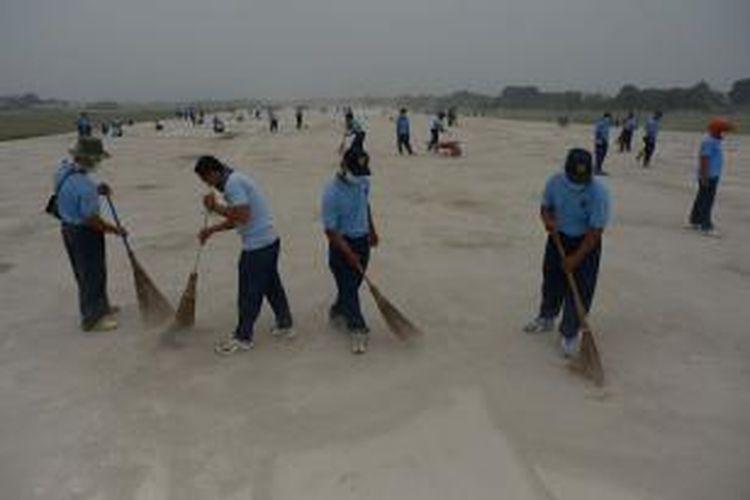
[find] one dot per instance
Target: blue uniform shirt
(78, 198)
(630, 124)
(345, 207)
(711, 148)
(652, 128)
(258, 232)
(402, 125)
(601, 130)
(577, 207)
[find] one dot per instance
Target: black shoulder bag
(51, 207)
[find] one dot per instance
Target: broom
(153, 306)
(395, 319)
(185, 315)
(589, 362)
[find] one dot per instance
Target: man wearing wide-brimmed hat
(83, 231)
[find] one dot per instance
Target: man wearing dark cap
(576, 206)
(601, 142)
(77, 206)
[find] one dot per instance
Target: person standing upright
(575, 205)
(649, 139)
(83, 230)
(710, 165)
(436, 128)
(601, 142)
(350, 231)
(403, 132)
(628, 129)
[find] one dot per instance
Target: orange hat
(718, 125)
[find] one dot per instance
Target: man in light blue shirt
(83, 230)
(403, 132)
(601, 142)
(626, 135)
(710, 164)
(349, 229)
(436, 128)
(649, 139)
(247, 212)
(576, 206)
(84, 125)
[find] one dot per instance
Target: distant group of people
(112, 128)
(625, 140)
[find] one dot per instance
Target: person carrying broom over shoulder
(247, 211)
(575, 205)
(349, 229)
(76, 205)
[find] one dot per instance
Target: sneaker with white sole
(232, 345)
(711, 233)
(569, 346)
(540, 325)
(286, 332)
(106, 323)
(359, 342)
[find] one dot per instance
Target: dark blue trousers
(601, 154)
(704, 204)
(348, 282)
(86, 252)
(259, 278)
(402, 140)
(649, 146)
(556, 293)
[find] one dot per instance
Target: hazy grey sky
(185, 49)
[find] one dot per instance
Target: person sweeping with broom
(247, 211)
(575, 207)
(349, 229)
(76, 204)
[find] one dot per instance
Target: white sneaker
(539, 325)
(232, 345)
(106, 323)
(569, 346)
(359, 343)
(711, 233)
(283, 333)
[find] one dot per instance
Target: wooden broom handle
(580, 309)
(117, 223)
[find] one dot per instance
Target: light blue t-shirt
(601, 130)
(630, 124)
(577, 207)
(652, 128)
(402, 125)
(258, 232)
(345, 207)
(436, 123)
(78, 198)
(711, 148)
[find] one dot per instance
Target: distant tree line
(699, 97)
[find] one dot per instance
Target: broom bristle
(152, 304)
(185, 315)
(396, 321)
(591, 361)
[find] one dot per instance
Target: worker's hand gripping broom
(185, 315)
(589, 361)
(152, 304)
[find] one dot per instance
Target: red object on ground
(450, 148)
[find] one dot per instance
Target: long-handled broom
(152, 304)
(589, 362)
(185, 315)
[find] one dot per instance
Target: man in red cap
(711, 161)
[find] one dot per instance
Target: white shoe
(232, 345)
(106, 323)
(539, 325)
(569, 346)
(283, 333)
(711, 233)
(359, 343)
